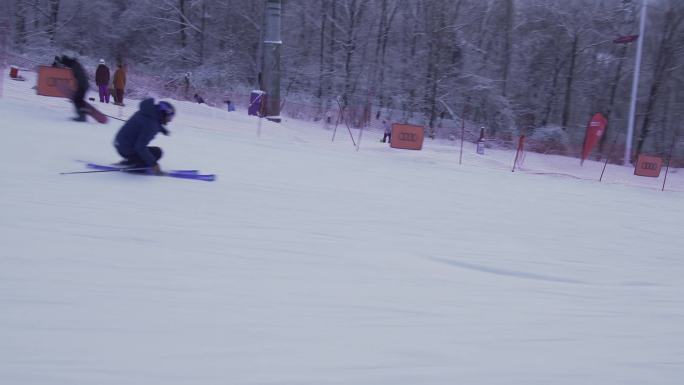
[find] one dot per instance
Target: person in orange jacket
(119, 84)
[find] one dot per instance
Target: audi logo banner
(55, 81)
(407, 136)
(648, 166)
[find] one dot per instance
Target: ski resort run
(312, 261)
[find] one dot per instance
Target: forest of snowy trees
(540, 67)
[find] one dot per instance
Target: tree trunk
(613, 92)
(321, 57)
(508, 33)
(552, 96)
(181, 21)
(349, 48)
(378, 46)
(54, 14)
(333, 49)
(203, 32)
(383, 53)
(568, 84)
(19, 25)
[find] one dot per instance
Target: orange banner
(54, 81)
(648, 166)
(407, 136)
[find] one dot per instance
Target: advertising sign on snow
(407, 136)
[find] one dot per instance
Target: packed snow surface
(309, 262)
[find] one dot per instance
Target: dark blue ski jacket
(138, 132)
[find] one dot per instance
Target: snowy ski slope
(308, 262)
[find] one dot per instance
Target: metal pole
(612, 146)
(669, 159)
(460, 156)
(271, 70)
(635, 86)
(517, 152)
(4, 43)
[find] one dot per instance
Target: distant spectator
(119, 84)
(198, 99)
(102, 75)
(186, 84)
(388, 131)
(230, 106)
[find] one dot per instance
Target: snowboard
(89, 109)
(95, 113)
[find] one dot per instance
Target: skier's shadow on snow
(505, 272)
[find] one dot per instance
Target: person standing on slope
(387, 135)
(82, 85)
(131, 142)
(119, 84)
(102, 81)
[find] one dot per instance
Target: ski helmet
(166, 111)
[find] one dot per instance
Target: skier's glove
(156, 170)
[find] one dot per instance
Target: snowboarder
(102, 80)
(69, 61)
(388, 131)
(230, 106)
(119, 84)
(132, 140)
(57, 62)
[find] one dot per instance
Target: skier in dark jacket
(102, 81)
(132, 140)
(82, 85)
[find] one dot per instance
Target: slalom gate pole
(669, 159)
(453, 116)
(337, 122)
(259, 128)
(612, 146)
(347, 124)
(350, 133)
(517, 152)
(261, 114)
(460, 156)
(359, 139)
(113, 170)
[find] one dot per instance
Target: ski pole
(93, 171)
(113, 117)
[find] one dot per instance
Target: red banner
(595, 129)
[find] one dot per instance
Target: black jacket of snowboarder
(138, 132)
(78, 71)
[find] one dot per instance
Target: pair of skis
(184, 174)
